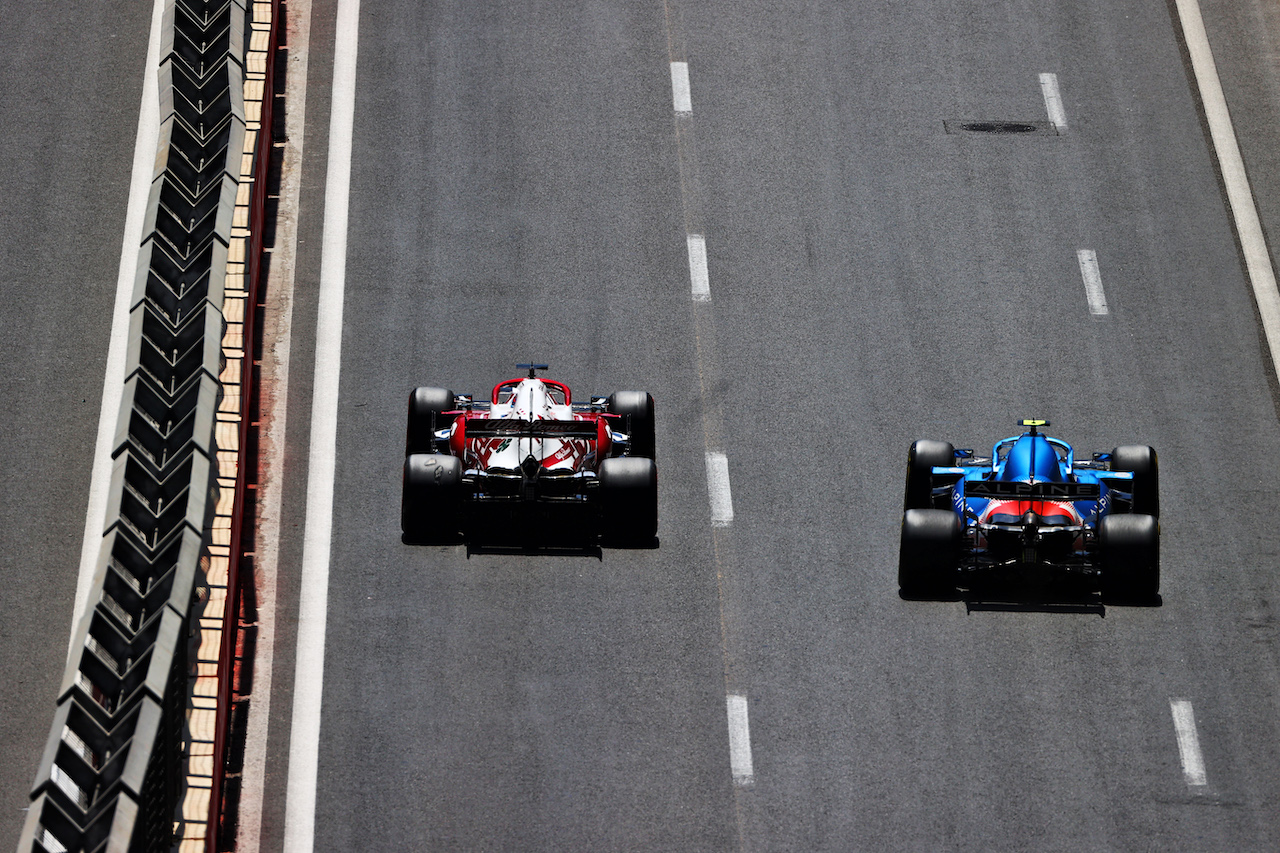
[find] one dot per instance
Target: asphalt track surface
(69, 97)
(519, 192)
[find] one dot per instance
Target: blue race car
(1030, 510)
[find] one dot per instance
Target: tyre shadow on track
(1037, 599)
(537, 545)
(552, 547)
(536, 549)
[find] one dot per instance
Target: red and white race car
(528, 454)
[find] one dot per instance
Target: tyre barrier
(111, 776)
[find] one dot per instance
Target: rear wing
(1032, 491)
(945, 478)
(511, 428)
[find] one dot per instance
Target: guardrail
(111, 775)
(232, 438)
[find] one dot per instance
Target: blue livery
(1028, 510)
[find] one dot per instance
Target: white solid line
(1092, 281)
(718, 486)
(1053, 100)
(680, 92)
(698, 275)
(1257, 261)
(144, 161)
(304, 740)
(1184, 723)
(739, 741)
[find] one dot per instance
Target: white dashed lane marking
(1092, 281)
(698, 276)
(680, 93)
(718, 486)
(1184, 724)
(1053, 100)
(739, 741)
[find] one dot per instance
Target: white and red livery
(527, 454)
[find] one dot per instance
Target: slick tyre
(431, 498)
(1145, 465)
(929, 553)
(636, 410)
(628, 501)
(425, 406)
(1129, 557)
(922, 458)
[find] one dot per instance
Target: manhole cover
(1003, 128)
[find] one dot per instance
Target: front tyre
(1145, 465)
(929, 553)
(628, 501)
(636, 410)
(425, 406)
(431, 498)
(923, 457)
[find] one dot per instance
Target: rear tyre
(928, 556)
(628, 501)
(1129, 556)
(636, 409)
(923, 457)
(431, 498)
(1145, 465)
(425, 406)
